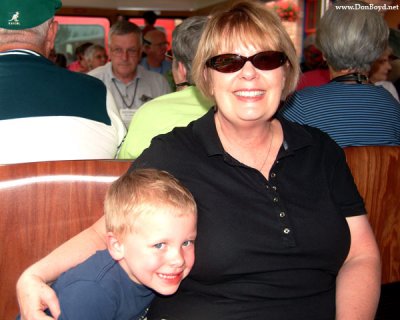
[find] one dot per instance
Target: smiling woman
(277, 202)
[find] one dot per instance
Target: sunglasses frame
(229, 68)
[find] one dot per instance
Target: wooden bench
(42, 205)
(376, 171)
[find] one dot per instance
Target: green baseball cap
(26, 14)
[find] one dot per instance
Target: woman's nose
(248, 71)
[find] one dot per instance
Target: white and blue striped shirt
(352, 114)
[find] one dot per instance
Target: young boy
(151, 227)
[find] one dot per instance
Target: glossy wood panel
(376, 171)
(41, 206)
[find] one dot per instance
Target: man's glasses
(118, 52)
(265, 60)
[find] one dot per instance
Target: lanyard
(122, 97)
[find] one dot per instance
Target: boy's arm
(33, 294)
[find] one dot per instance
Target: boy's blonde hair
(144, 191)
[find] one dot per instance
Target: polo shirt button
(286, 230)
(273, 175)
(282, 214)
(274, 187)
(276, 199)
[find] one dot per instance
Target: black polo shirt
(266, 249)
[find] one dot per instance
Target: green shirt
(161, 115)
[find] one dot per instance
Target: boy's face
(160, 252)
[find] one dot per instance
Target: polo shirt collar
(20, 52)
(205, 130)
(295, 136)
(139, 72)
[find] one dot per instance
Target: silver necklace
(269, 147)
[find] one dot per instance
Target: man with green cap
(48, 113)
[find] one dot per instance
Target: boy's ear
(115, 247)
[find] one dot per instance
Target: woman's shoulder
(167, 149)
(302, 132)
(181, 145)
(298, 136)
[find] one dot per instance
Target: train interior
(376, 169)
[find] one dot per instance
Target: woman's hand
(35, 296)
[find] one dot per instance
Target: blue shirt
(100, 289)
(352, 114)
(163, 69)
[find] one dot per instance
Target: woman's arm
(33, 294)
(359, 279)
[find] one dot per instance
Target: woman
(95, 56)
(277, 203)
(348, 108)
(380, 69)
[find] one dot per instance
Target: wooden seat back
(376, 171)
(42, 205)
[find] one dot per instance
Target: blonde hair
(144, 191)
(248, 23)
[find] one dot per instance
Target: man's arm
(33, 293)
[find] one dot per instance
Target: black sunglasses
(229, 62)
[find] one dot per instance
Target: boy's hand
(35, 296)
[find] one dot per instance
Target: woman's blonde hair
(144, 191)
(245, 23)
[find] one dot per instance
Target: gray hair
(35, 36)
(124, 27)
(352, 39)
(185, 40)
(91, 50)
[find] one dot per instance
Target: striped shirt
(352, 114)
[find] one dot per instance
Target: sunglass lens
(269, 60)
(227, 63)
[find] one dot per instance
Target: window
(74, 31)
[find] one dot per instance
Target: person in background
(130, 83)
(282, 229)
(59, 114)
(312, 56)
(176, 109)
(95, 56)
(155, 47)
(61, 60)
(58, 59)
(380, 69)
(314, 69)
(79, 65)
(150, 18)
(151, 228)
(394, 44)
(351, 110)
